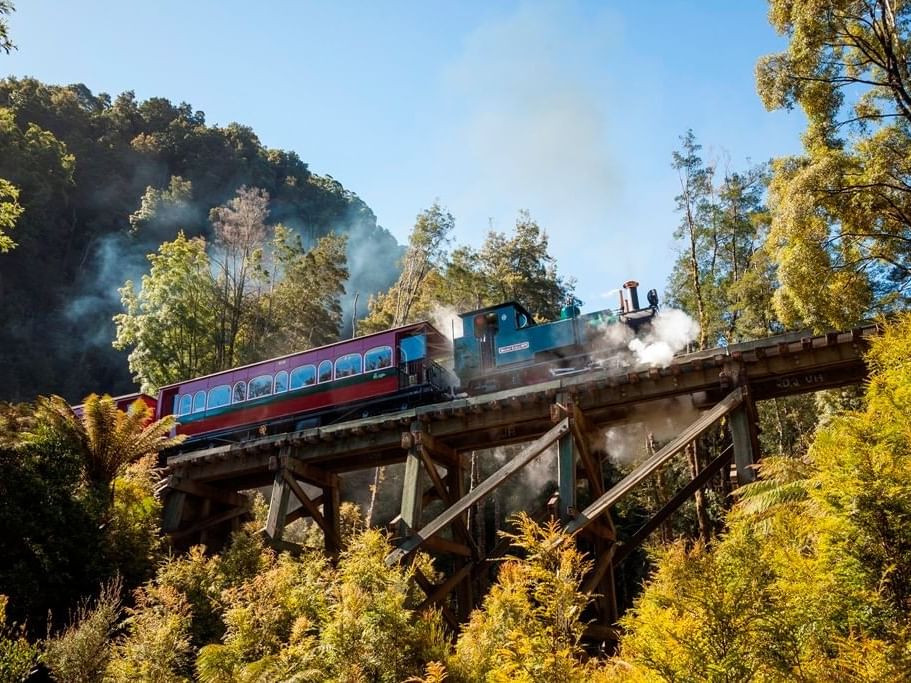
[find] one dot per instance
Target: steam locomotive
(500, 347)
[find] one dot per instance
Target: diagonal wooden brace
(446, 496)
(625, 485)
(301, 495)
(480, 492)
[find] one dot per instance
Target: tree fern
(106, 438)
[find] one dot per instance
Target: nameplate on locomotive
(513, 347)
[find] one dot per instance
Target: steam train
(500, 347)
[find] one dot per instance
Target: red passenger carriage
(378, 372)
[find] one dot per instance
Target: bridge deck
(771, 368)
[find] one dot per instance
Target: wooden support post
(480, 492)
(278, 507)
(410, 514)
(566, 478)
(455, 479)
(743, 432)
(581, 431)
(331, 506)
(205, 512)
(330, 532)
(173, 511)
(448, 498)
(670, 506)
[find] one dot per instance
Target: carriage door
(412, 352)
(486, 327)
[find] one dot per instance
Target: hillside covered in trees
(93, 184)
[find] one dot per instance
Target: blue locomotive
(502, 346)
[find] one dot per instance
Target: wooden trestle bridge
(202, 490)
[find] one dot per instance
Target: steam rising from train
(502, 346)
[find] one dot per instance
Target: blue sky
(568, 109)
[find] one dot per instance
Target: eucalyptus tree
(841, 211)
(10, 210)
(6, 43)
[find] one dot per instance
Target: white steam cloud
(663, 420)
(535, 128)
(446, 319)
(671, 331)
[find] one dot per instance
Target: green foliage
(371, 632)
(506, 267)
(103, 181)
(53, 551)
(519, 267)
(811, 580)
(529, 626)
(407, 299)
(6, 43)
(303, 308)
(198, 578)
(106, 438)
(160, 210)
(10, 210)
(133, 534)
(155, 647)
(17, 655)
(98, 516)
(252, 297)
(169, 323)
(80, 654)
(721, 277)
(840, 227)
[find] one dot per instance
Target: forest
(140, 246)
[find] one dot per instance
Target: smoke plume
(446, 319)
(671, 331)
(627, 443)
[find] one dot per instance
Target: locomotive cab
(502, 346)
(488, 333)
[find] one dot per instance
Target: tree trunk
(705, 529)
(378, 476)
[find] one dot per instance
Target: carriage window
(260, 386)
(378, 358)
(199, 402)
(303, 376)
(281, 382)
(240, 392)
(412, 348)
(186, 404)
(219, 396)
(325, 371)
(348, 365)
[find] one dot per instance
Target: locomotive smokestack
(632, 286)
